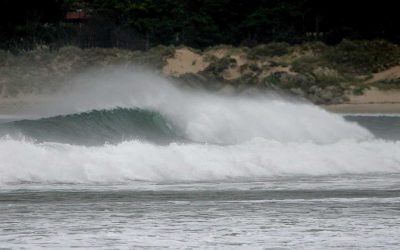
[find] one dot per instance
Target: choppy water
(343, 212)
(142, 164)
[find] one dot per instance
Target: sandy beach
(372, 101)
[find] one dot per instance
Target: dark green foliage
(358, 90)
(245, 81)
(317, 47)
(268, 50)
(364, 57)
(284, 80)
(272, 80)
(219, 65)
(254, 67)
(142, 24)
(388, 84)
(305, 64)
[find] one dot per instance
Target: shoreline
(8, 108)
(381, 108)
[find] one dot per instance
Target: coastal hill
(349, 73)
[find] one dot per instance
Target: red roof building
(78, 15)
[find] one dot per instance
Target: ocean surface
(140, 163)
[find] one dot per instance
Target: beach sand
(372, 101)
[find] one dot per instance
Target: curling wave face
(95, 128)
(122, 126)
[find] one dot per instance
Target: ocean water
(126, 160)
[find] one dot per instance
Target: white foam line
(23, 161)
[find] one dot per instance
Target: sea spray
(210, 137)
(198, 116)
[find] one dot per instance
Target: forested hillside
(141, 24)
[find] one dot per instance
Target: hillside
(355, 72)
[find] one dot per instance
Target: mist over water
(200, 116)
(105, 127)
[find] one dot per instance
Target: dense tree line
(197, 23)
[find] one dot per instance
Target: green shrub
(358, 90)
(272, 79)
(388, 84)
(316, 47)
(245, 80)
(363, 57)
(216, 67)
(268, 50)
(164, 51)
(305, 64)
(284, 80)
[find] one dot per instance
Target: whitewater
(206, 136)
(126, 159)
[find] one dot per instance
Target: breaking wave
(121, 126)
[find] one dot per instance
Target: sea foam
(255, 136)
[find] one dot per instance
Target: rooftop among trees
(140, 24)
